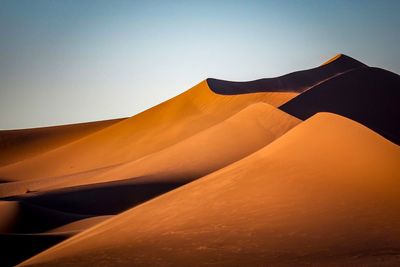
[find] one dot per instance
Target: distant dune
(150, 131)
(367, 95)
(16, 145)
(324, 199)
(298, 81)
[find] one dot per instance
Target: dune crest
(330, 199)
(298, 81)
(337, 56)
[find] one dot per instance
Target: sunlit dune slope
(166, 124)
(16, 145)
(234, 138)
(298, 81)
(368, 95)
(325, 193)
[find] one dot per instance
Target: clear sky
(74, 61)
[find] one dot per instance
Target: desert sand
(16, 145)
(226, 174)
(226, 142)
(145, 133)
(329, 200)
(176, 119)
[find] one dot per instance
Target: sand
(230, 140)
(325, 193)
(366, 95)
(16, 145)
(150, 131)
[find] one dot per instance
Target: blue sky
(74, 61)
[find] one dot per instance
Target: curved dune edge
(80, 225)
(336, 57)
(230, 140)
(298, 81)
(17, 145)
(287, 204)
(366, 95)
(150, 131)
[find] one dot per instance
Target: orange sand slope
(325, 193)
(166, 124)
(234, 138)
(16, 145)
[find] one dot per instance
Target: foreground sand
(325, 193)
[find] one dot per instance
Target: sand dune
(243, 133)
(16, 145)
(150, 131)
(325, 193)
(193, 111)
(298, 81)
(366, 95)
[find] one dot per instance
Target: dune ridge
(287, 204)
(298, 81)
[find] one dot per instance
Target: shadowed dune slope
(298, 81)
(150, 131)
(16, 145)
(15, 248)
(23, 228)
(108, 198)
(369, 95)
(325, 193)
(234, 138)
(21, 217)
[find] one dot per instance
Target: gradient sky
(74, 61)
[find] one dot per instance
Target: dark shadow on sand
(369, 96)
(297, 81)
